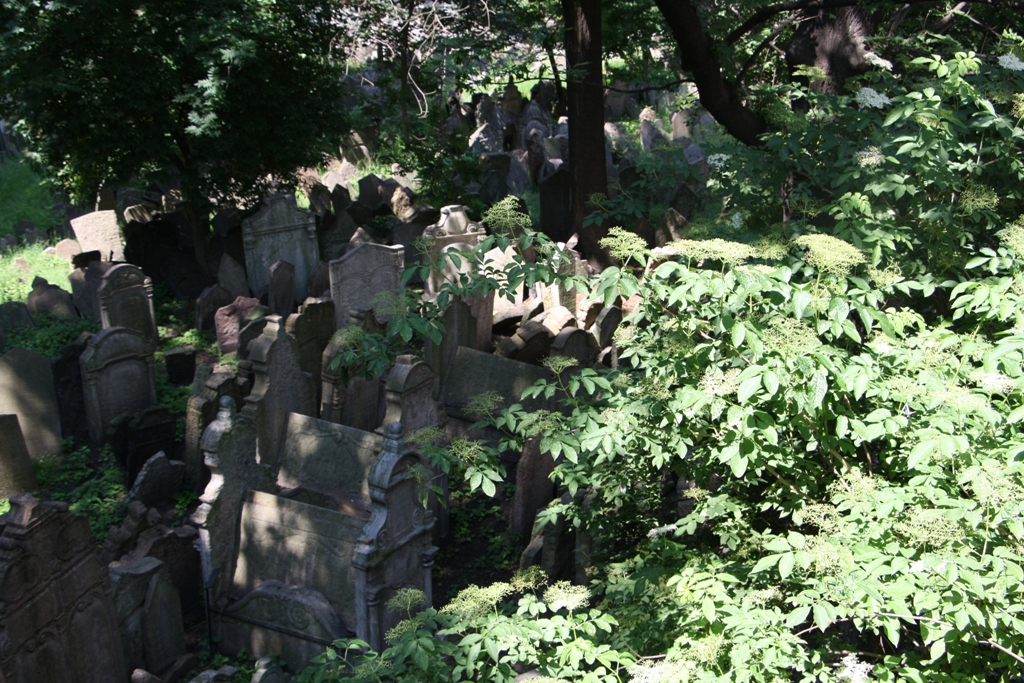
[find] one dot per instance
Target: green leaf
(766, 563)
(748, 388)
(822, 616)
(770, 381)
(739, 333)
(798, 616)
(707, 607)
(786, 564)
(801, 300)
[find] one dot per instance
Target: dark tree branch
(718, 95)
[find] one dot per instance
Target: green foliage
(50, 334)
(479, 636)
(92, 487)
(23, 196)
(228, 94)
(16, 281)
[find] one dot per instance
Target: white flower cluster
(718, 160)
(872, 156)
(854, 670)
(871, 98)
(874, 60)
(661, 531)
(993, 382)
(737, 221)
(1011, 62)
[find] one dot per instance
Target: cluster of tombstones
(310, 516)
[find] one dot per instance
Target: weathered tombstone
(231, 276)
(148, 614)
(27, 390)
(475, 372)
(348, 398)
(320, 281)
(209, 303)
(555, 218)
(229, 449)
(207, 391)
(126, 300)
(280, 232)
(319, 198)
(411, 388)
(100, 231)
(281, 295)
(51, 300)
(460, 329)
(280, 387)
(607, 322)
(181, 365)
(369, 190)
(250, 333)
(14, 316)
(67, 248)
(534, 488)
(650, 137)
(323, 456)
(16, 474)
(453, 232)
(362, 273)
(59, 619)
(85, 283)
(575, 343)
(680, 124)
(229, 319)
(532, 342)
(269, 672)
(312, 328)
(135, 437)
(117, 374)
(158, 481)
(694, 154)
(670, 229)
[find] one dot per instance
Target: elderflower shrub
(829, 254)
(713, 250)
(869, 98)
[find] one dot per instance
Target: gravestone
(493, 188)
(207, 391)
(126, 300)
(158, 481)
(99, 231)
(67, 248)
(59, 621)
(574, 343)
(269, 672)
(50, 300)
(555, 216)
(411, 388)
(650, 137)
(27, 390)
(14, 316)
(209, 302)
(85, 283)
(531, 342)
(460, 329)
(231, 276)
(453, 232)
(16, 474)
(148, 614)
(229, 451)
(534, 488)
(320, 280)
(117, 374)
(67, 381)
(680, 124)
(280, 387)
(607, 322)
(135, 437)
(281, 294)
(363, 272)
(250, 333)
(312, 328)
(369, 190)
(322, 455)
(280, 232)
(475, 372)
(348, 398)
(181, 365)
(228, 320)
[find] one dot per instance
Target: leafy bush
(92, 488)
(24, 196)
(51, 334)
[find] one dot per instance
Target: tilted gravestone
(280, 232)
(281, 295)
(16, 474)
(50, 300)
(85, 283)
(229, 450)
(460, 329)
(453, 232)
(534, 488)
(209, 302)
(231, 276)
(117, 375)
(475, 372)
(100, 231)
(280, 387)
(229, 319)
(312, 328)
(27, 390)
(14, 315)
(202, 408)
(346, 396)
(362, 273)
(555, 216)
(148, 614)
(126, 300)
(57, 618)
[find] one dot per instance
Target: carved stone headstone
(475, 372)
(135, 437)
(280, 388)
(158, 481)
(85, 282)
(67, 381)
(26, 390)
(281, 295)
(58, 619)
(607, 322)
(411, 388)
(229, 319)
(574, 343)
(117, 375)
(312, 328)
(163, 633)
(231, 276)
(250, 333)
(363, 272)
(14, 316)
(67, 248)
(453, 232)
(347, 397)
(322, 455)
(460, 329)
(16, 474)
(229, 449)
(100, 231)
(209, 302)
(126, 300)
(280, 232)
(534, 488)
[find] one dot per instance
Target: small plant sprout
(407, 600)
(625, 246)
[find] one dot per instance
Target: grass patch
(90, 483)
(24, 195)
(51, 334)
(16, 282)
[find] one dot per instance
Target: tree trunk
(697, 51)
(585, 100)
